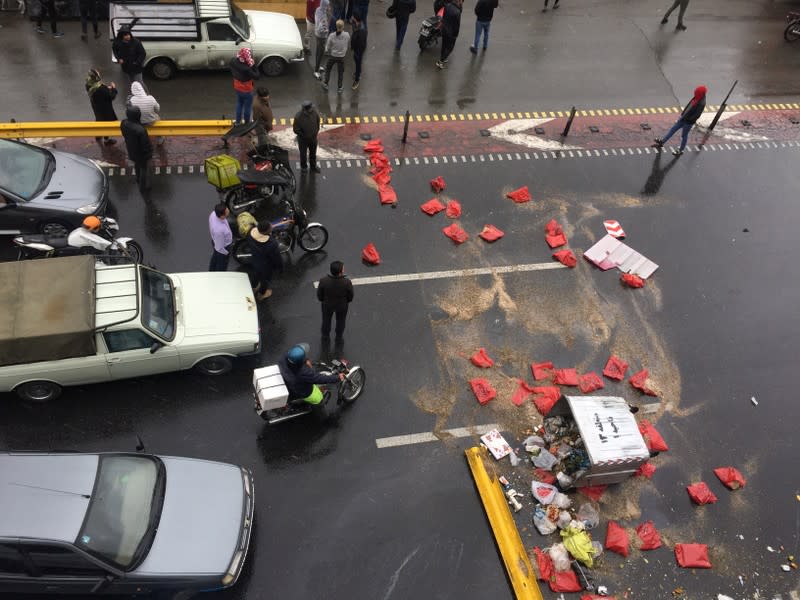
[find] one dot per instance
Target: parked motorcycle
(347, 391)
(271, 176)
(792, 31)
(45, 246)
(430, 31)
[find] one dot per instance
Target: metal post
(722, 107)
(405, 127)
(569, 123)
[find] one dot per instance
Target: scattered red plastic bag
(542, 370)
(649, 535)
(382, 177)
(370, 254)
(700, 494)
(692, 556)
(595, 492)
(632, 280)
(566, 257)
(589, 382)
(455, 233)
(520, 195)
(653, 439)
(379, 160)
(646, 470)
(565, 377)
(375, 169)
(522, 393)
(639, 381)
(453, 209)
(617, 539)
(554, 234)
(490, 233)
(432, 206)
(545, 398)
(544, 476)
(481, 359)
(438, 184)
(387, 194)
(615, 368)
(373, 146)
(483, 390)
(559, 581)
(730, 477)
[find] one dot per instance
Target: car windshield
(239, 21)
(158, 303)
(123, 514)
(24, 169)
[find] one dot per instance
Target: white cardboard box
(269, 387)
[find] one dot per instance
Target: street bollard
(722, 107)
(405, 127)
(569, 123)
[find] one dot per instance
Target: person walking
(337, 14)
(306, 128)
(148, 107)
(555, 5)
(129, 53)
(48, 8)
(360, 10)
(336, 48)
(401, 9)
(221, 237)
(137, 143)
(484, 11)
(321, 36)
(244, 73)
(262, 115)
(451, 24)
(335, 293)
(688, 118)
(311, 9)
(88, 10)
(358, 42)
(681, 5)
(101, 97)
(266, 258)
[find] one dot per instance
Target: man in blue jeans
(402, 10)
(484, 11)
(688, 118)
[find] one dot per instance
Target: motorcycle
(430, 31)
(45, 246)
(792, 31)
(293, 228)
(276, 409)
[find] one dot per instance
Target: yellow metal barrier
(50, 129)
(518, 565)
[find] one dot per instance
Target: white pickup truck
(73, 321)
(206, 34)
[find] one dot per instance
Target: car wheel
(38, 391)
(273, 66)
(162, 69)
(214, 365)
(55, 228)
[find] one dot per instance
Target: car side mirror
(154, 348)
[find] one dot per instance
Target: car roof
(45, 496)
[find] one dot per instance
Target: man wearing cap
(306, 128)
(335, 292)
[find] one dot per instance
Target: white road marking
(427, 436)
(286, 139)
(454, 273)
(735, 135)
(507, 131)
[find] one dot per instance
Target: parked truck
(74, 321)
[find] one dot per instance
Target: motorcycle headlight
(89, 208)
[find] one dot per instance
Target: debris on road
(615, 368)
(566, 257)
(649, 536)
(490, 233)
(614, 228)
(455, 233)
(522, 393)
(542, 370)
(609, 252)
(565, 377)
(375, 145)
(546, 397)
(590, 382)
(483, 390)
(646, 470)
(700, 493)
(692, 556)
(369, 254)
(438, 184)
(432, 206)
(496, 444)
(617, 539)
(554, 234)
(653, 439)
(731, 477)
(520, 195)
(631, 280)
(481, 359)
(753, 400)
(639, 382)
(453, 210)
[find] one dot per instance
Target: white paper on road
(609, 252)
(496, 444)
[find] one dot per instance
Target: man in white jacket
(336, 49)
(148, 106)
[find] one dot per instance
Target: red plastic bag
(566, 257)
(438, 184)
(490, 233)
(615, 368)
(565, 377)
(617, 539)
(375, 169)
(589, 382)
(554, 234)
(649, 535)
(544, 476)
(542, 370)
(700, 494)
(382, 177)
(730, 477)
(520, 195)
(559, 581)
(483, 390)
(481, 359)
(373, 146)
(545, 398)
(370, 254)
(379, 160)
(455, 233)
(432, 206)
(453, 209)
(646, 470)
(522, 393)
(639, 381)
(595, 492)
(545, 564)
(692, 556)
(653, 439)
(387, 194)
(632, 280)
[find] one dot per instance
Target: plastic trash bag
(544, 476)
(481, 359)
(700, 493)
(369, 254)
(590, 382)
(730, 477)
(562, 501)
(588, 515)
(432, 206)
(646, 470)
(579, 545)
(387, 194)
(617, 539)
(515, 460)
(455, 233)
(453, 209)
(692, 556)
(522, 393)
(545, 398)
(438, 184)
(543, 493)
(483, 390)
(559, 581)
(639, 381)
(374, 146)
(490, 233)
(533, 440)
(565, 377)
(560, 557)
(545, 460)
(554, 234)
(615, 368)
(382, 177)
(649, 536)
(632, 280)
(595, 492)
(543, 370)
(566, 257)
(653, 439)
(543, 525)
(520, 195)
(378, 160)
(564, 519)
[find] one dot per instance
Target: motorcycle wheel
(313, 238)
(237, 201)
(353, 385)
(289, 174)
(792, 31)
(423, 42)
(135, 252)
(241, 252)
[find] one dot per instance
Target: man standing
(336, 48)
(129, 53)
(484, 11)
(358, 42)
(306, 127)
(311, 8)
(262, 115)
(320, 35)
(402, 10)
(451, 24)
(678, 3)
(335, 292)
(137, 142)
(221, 237)
(88, 10)
(101, 97)
(48, 8)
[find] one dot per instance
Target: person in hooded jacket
(402, 9)
(101, 97)
(243, 71)
(451, 24)
(688, 118)
(147, 105)
(137, 142)
(129, 53)
(321, 18)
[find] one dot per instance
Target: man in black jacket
(306, 128)
(402, 9)
(140, 150)
(358, 42)
(451, 23)
(129, 53)
(484, 11)
(335, 292)
(688, 118)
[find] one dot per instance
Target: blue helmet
(297, 354)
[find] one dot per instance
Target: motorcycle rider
(301, 379)
(86, 236)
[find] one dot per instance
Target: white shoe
(317, 74)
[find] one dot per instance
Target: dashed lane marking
(427, 436)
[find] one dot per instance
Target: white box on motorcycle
(269, 387)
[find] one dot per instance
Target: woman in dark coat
(266, 258)
(101, 97)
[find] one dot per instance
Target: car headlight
(233, 569)
(89, 208)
